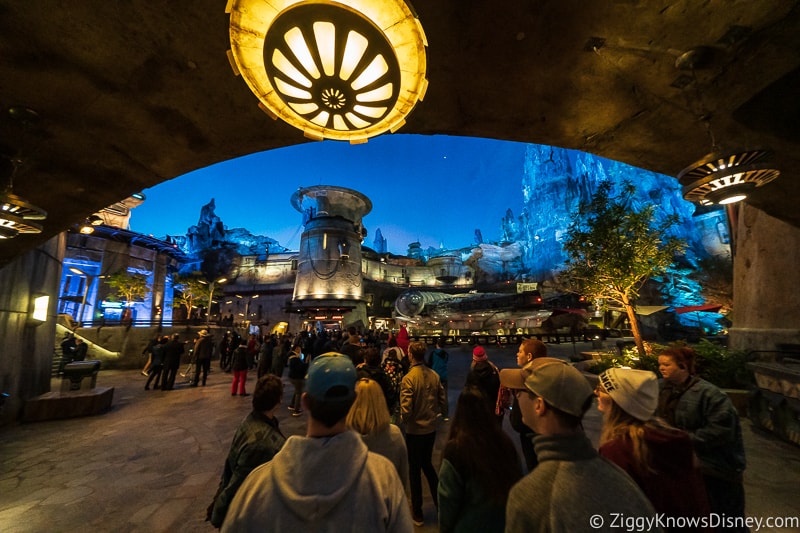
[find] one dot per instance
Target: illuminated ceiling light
(719, 178)
(16, 214)
(726, 179)
(7, 232)
(347, 70)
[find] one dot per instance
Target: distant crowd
(670, 456)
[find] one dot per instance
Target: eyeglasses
(599, 389)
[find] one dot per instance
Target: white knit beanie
(635, 391)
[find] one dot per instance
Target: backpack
(394, 378)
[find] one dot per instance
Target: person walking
(203, 348)
(265, 356)
(252, 351)
(297, 373)
(239, 365)
(280, 355)
(157, 364)
(326, 481)
(422, 399)
(223, 350)
(173, 351)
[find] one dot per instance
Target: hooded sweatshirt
(323, 484)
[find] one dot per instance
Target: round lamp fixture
(16, 214)
(726, 179)
(346, 70)
(7, 232)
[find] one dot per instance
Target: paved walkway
(153, 461)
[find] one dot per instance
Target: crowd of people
(669, 447)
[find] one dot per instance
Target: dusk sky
(434, 189)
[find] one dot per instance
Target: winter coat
(438, 363)
(256, 441)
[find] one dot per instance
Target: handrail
(144, 323)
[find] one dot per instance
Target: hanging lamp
(346, 70)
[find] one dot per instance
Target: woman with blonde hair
(369, 417)
(657, 456)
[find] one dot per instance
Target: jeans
(420, 452)
(155, 372)
(203, 365)
(298, 393)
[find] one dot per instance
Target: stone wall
(26, 347)
(766, 282)
(121, 347)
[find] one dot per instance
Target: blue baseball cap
(331, 377)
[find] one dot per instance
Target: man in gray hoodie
(326, 481)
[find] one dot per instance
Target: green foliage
(127, 287)
(612, 250)
(629, 357)
(723, 367)
(190, 289)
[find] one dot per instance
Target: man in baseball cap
(327, 480)
(572, 488)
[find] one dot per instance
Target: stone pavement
(152, 462)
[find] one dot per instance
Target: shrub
(628, 357)
(723, 367)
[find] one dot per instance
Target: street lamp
(211, 286)
(89, 281)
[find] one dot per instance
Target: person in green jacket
(258, 438)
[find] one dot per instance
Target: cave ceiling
(130, 94)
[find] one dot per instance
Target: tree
(127, 287)
(612, 250)
(191, 288)
(716, 277)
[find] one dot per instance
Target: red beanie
(479, 354)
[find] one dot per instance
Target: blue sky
(434, 189)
